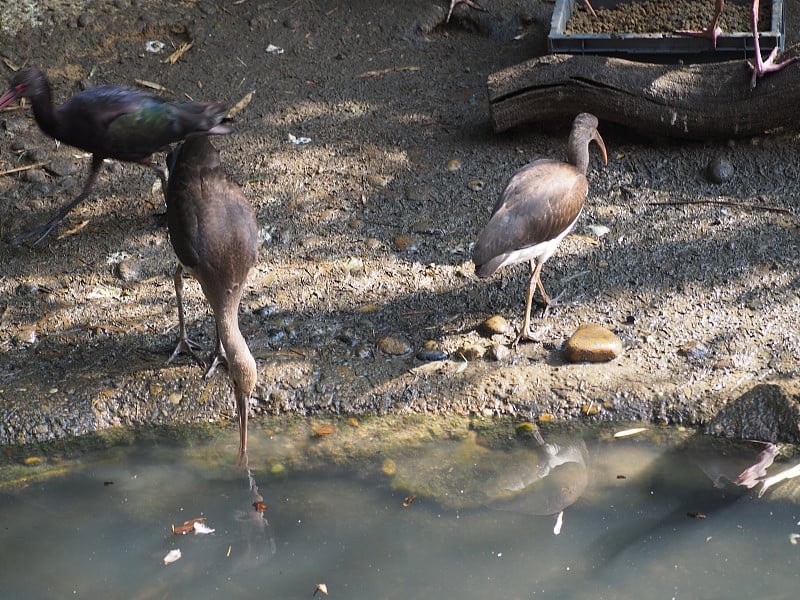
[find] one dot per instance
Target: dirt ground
(367, 232)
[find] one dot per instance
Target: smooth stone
(431, 351)
(36, 176)
(61, 167)
(494, 325)
(592, 343)
(498, 352)
(719, 170)
(85, 19)
(404, 243)
(470, 352)
(128, 270)
(394, 346)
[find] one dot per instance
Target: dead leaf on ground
(240, 104)
(321, 430)
(74, 230)
(381, 72)
(175, 56)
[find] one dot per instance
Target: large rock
(592, 343)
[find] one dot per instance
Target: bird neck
(43, 110)
(578, 152)
(241, 364)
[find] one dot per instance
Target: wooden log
(703, 101)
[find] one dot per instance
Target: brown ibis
(214, 233)
(760, 67)
(110, 121)
(537, 209)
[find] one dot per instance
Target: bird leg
(184, 343)
(44, 230)
(711, 32)
(219, 357)
(525, 332)
(761, 67)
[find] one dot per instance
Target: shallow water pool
(456, 518)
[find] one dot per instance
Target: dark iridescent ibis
(760, 67)
(110, 121)
(214, 232)
(538, 208)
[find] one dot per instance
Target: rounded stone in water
(719, 170)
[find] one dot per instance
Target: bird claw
(711, 34)
(217, 359)
(762, 67)
(42, 231)
(187, 346)
(549, 303)
(530, 336)
(470, 3)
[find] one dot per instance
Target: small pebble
(431, 351)
(592, 343)
(424, 226)
(26, 335)
(476, 185)
(394, 345)
(362, 351)
(404, 243)
(470, 352)
(694, 349)
(372, 243)
(127, 270)
(494, 325)
(719, 170)
(453, 165)
(498, 352)
(61, 167)
(36, 176)
(85, 19)
(291, 23)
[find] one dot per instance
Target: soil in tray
(659, 16)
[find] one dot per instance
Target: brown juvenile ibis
(214, 233)
(760, 67)
(538, 208)
(111, 122)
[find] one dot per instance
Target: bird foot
(530, 336)
(710, 33)
(470, 3)
(217, 359)
(42, 231)
(762, 67)
(549, 303)
(187, 346)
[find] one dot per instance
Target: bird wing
(126, 124)
(539, 203)
(113, 121)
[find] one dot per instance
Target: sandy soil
(368, 229)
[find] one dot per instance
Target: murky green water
(100, 526)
